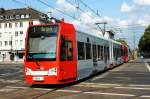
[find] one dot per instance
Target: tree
(144, 43)
(121, 40)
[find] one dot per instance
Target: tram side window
(105, 53)
(63, 55)
(88, 51)
(99, 52)
(102, 56)
(120, 52)
(69, 50)
(117, 53)
(108, 53)
(94, 51)
(66, 50)
(81, 51)
(114, 52)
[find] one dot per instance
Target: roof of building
(21, 14)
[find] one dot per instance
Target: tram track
(44, 93)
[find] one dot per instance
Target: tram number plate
(38, 78)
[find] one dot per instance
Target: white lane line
(42, 89)
(7, 90)
(133, 85)
(100, 84)
(114, 94)
(17, 87)
(132, 88)
(145, 96)
(74, 91)
(9, 74)
(9, 81)
(96, 93)
(147, 65)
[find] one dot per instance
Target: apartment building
(13, 27)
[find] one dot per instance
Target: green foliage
(144, 43)
(121, 40)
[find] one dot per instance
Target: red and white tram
(58, 54)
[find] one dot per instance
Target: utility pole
(104, 27)
(50, 14)
(134, 44)
(11, 49)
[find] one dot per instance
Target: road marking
(100, 84)
(132, 85)
(145, 96)
(17, 87)
(147, 65)
(7, 90)
(42, 89)
(132, 88)
(10, 74)
(9, 81)
(114, 94)
(74, 91)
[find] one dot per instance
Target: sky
(128, 18)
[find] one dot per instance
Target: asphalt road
(128, 81)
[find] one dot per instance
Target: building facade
(13, 27)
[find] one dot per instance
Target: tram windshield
(42, 43)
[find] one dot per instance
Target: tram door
(94, 47)
(67, 59)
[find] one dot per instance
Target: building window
(5, 25)
(21, 32)
(16, 42)
(10, 43)
(22, 16)
(16, 24)
(21, 24)
(27, 15)
(0, 43)
(30, 23)
(10, 25)
(21, 42)
(7, 17)
(17, 16)
(6, 43)
(1, 17)
(16, 33)
(11, 17)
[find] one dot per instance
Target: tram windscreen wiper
(34, 59)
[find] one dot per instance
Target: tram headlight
(52, 72)
(28, 71)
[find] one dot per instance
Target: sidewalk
(134, 72)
